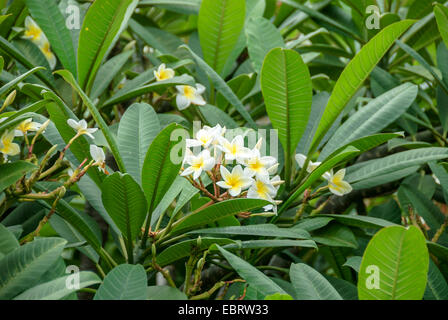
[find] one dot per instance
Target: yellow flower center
(262, 190)
(198, 164)
(256, 165)
(234, 181)
(33, 32)
(189, 92)
(163, 75)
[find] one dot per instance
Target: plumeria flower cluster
(34, 33)
(336, 183)
(235, 170)
(186, 95)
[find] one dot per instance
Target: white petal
(197, 174)
(223, 185)
(235, 192)
(73, 123)
(300, 158)
(182, 102)
(198, 100)
(224, 172)
(200, 88)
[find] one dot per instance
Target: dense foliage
(223, 149)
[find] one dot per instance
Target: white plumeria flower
(187, 95)
(262, 188)
(81, 127)
(336, 183)
(164, 73)
(235, 150)
(99, 157)
(198, 164)
(33, 32)
(236, 181)
(301, 158)
(25, 126)
(258, 165)
(7, 146)
(206, 137)
(51, 58)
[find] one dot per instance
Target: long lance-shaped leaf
(441, 13)
(103, 24)
(219, 25)
(161, 167)
(355, 73)
(287, 92)
(97, 117)
(125, 202)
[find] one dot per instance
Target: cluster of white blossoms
(186, 95)
(34, 33)
(336, 183)
(240, 171)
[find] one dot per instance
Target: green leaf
(23, 267)
(222, 87)
(256, 244)
(10, 173)
(125, 282)
(219, 25)
(255, 278)
(126, 204)
(278, 296)
(216, 212)
(335, 235)
(103, 24)
(137, 129)
(441, 13)
(310, 284)
(436, 288)
(96, 116)
(108, 72)
(185, 248)
(5, 89)
(263, 230)
(57, 289)
(161, 167)
(373, 117)
(165, 293)
(181, 6)
(355, 73)
(359, 221)
(262, 36)
(50, 19)
(8, 241)
(399, 257)
(287, 92)
(395, 162)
